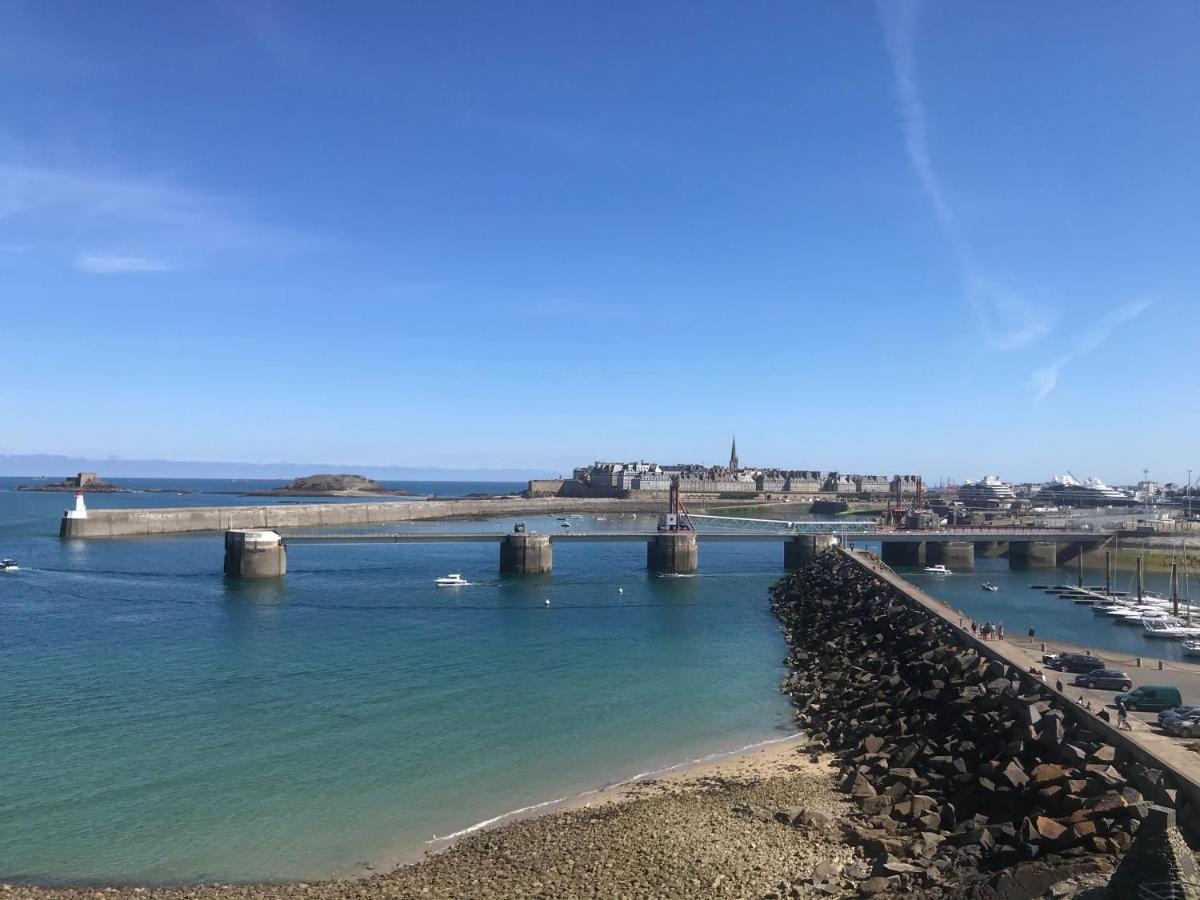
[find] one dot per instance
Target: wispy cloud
(1044, 380)
(110, 264)
(1008, 320)
(152, 218)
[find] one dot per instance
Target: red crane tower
(676, 519)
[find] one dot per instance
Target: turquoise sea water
(159, 723)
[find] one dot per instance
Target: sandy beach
(708, 830)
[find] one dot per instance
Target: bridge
(260, 553)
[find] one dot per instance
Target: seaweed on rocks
(968, 773)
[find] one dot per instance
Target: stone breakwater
(972, 778)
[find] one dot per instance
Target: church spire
(733, 460)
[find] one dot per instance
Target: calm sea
(1019, 605)
(159, 723)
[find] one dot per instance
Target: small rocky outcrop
(89, 482)
(968, 773)
(330, 486)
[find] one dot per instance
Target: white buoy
(547, 601)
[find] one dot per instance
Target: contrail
(1044, 380)
(1023, 322)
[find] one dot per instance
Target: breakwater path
(100, 523)
(969, 772)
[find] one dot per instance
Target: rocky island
(84, 481)
(330, 486)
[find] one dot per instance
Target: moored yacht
(1169, 628)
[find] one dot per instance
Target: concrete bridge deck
(263, 553)
(572, 537)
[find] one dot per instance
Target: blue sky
(946, 238)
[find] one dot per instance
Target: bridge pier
(903, 553)
(1033, 554)
(991, 548)
(951, 554)
(255, 554)
(798, 552)
(673, 553)
(526, 554)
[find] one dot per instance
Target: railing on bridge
(731, 523)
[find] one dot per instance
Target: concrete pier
(255, 554)
(991, 548)
(672, 553)
(904, 553)
(954, 555)
(526, 554)
(800, 551)
(1033, 554)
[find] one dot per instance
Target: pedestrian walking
(1000, 630)
(1122, 715)
(1058, 686)
(1031, 633)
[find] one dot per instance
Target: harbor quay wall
(108, 523)
(1183, 778)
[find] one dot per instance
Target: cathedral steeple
(733, 460)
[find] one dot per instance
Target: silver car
(1183, 726)
(1177, 712)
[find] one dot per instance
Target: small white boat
(1140, 615)
(988, 586)
(9, 565)
(1169, 629)
(1191, 648)
(451, 580)
(939, 569)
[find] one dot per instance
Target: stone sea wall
(130, 522)
(971, 776)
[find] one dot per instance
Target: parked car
(1184, 726)
(1109, 679)
(1177, 712)
(1076, 662)
(1048, 658)
(1151, 697)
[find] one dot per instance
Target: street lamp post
(1188, 494)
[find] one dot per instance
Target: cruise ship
(989, 492)
(1067, 490)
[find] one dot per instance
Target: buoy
(547, 601)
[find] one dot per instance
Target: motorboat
(564, 525)
(988, 586)
(451, 580)
(1191, 648)
(1145, 615)
(9, 565)
(1169, 629)
(1134, 613)
(939, 569)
